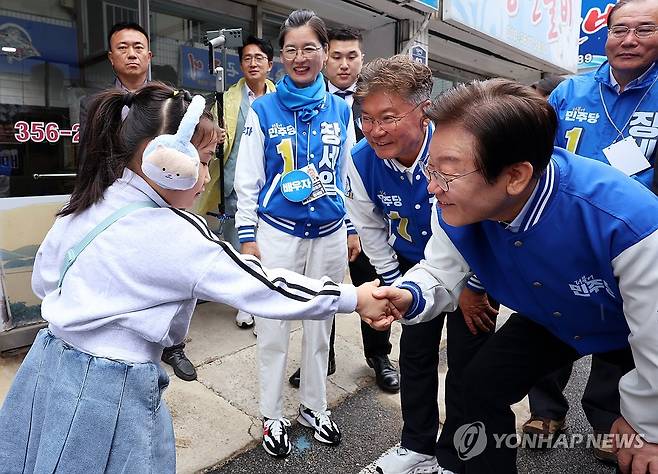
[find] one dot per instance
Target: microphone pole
(221, 39)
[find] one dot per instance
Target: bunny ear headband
(172, 161)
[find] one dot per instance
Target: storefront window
(272, 22)
(179, 55)
(52, 53)
(446, 77)
(440, 85)
(48, 61)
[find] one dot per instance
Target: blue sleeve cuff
(418, 303)
(351, 230)
(474, 284)
(389, 277)
(247, 233)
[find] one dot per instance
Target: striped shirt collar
(333, 89)
(119, 85)
(615, 84)
(251, 95)
(536, 204)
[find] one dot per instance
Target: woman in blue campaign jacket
(289, 180)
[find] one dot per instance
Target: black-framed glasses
(388, 123)
(642, 31)
(442, 180)
(290, 52)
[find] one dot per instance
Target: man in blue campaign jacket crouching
(569, 243)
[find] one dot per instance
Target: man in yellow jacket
(256, 56)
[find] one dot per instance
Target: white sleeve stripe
(273, 185)
(474, 285)
(287, 221)
(330, 224)
(328, 230)
(395, 271)
(279, 222)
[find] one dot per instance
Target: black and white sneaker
(326, 430)
(275, 437)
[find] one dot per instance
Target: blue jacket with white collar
(274, 142)
(557, 269)
(405, 205)
(584, 128)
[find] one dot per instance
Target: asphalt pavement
(217, 421)
(371, 423)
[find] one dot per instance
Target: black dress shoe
(294, 378)
(386, 375)
(183, 368)
(331, 366)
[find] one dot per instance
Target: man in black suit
(130, 57)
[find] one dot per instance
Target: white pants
(324, 256)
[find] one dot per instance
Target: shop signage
(35, 41)
(418, 53)
(431, 5)
(41, 131)
(194, 68)
(593, 33)
(547, 30)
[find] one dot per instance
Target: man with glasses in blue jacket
(389, 204)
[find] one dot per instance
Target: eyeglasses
(259, 58)
(441, 179)
(642, 31)
(387, 124)
(290, 53)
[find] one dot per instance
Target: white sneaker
(275, 437)
(326, 430)
(244, 320)
(404, 461)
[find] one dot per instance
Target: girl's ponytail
(112, 136)
(102, 156)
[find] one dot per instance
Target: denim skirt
(70, 412)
